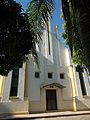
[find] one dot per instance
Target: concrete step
(44, 115)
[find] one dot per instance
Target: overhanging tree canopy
(16, 38)
(80, 24)
(20, 31)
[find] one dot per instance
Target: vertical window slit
(14, 82)
(48, 40)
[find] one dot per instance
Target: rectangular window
(50, 75)
(61, 75)
(37, 75)
(14, 82)
(83, 88)
(48, 40)
(80, 71)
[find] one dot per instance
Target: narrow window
(14, 82)
(48, 40)
(37, 75)
(80, 71)
(50, 75)
(61, 75)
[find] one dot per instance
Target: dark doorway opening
(51, 101)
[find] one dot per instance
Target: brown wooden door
(51, 101)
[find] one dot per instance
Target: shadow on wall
(4, 110)
(81, 104)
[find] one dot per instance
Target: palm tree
(67, 18)
(39, 12)
(81, 10)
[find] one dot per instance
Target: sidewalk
(45, 115)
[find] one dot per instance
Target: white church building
(56, 85)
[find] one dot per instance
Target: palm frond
(39, 12)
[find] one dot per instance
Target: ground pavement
(68, 115)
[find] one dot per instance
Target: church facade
(56, 84)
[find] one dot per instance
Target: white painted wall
(7, 85)
(57, 62)
(21, 82)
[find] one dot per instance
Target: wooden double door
(51, 100)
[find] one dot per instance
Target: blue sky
(56, 20)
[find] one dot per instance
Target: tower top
(56, 30)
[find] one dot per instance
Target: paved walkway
(78, 117)
(46, 115)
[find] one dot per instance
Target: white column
(21, 82)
